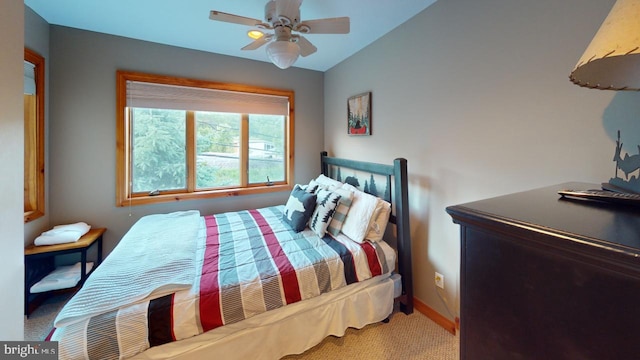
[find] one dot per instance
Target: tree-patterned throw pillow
(326, 203)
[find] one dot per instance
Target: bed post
(403, 233)
(324, 165)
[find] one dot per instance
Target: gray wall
(12, 164)
(475, 94)
(36, 38)
(82, 122)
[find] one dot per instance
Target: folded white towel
(61, 234)
(59, 238)
(81, 227)
(62, 277)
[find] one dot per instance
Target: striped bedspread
(252, 262)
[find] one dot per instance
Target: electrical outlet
(439, 280)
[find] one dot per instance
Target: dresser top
(606, 226)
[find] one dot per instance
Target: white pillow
(330, 183)
(326, 203)
(361, 212)
(379, 221)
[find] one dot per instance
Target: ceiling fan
(283, 17)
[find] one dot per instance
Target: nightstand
(39, 261)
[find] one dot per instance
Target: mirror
(33, 135)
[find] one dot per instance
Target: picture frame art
(359, 114)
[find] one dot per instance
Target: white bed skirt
(289, 330)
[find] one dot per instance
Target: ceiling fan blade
(338, 25)
(234, 19)
(306, 47)
(257, 43)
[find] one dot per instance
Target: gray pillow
(299, 208)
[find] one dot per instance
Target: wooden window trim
(34, 206)
(124, 197)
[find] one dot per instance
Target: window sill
(174, 197)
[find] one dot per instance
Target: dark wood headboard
(399, 200)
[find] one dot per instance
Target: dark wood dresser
(543, 277)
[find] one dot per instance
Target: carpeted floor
(40, 321)
(404, 337)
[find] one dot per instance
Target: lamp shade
(283, 53)
(612, 59)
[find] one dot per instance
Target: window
(33, 135)
(182, 139)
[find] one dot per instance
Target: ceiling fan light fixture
(283, 53)
(255, 34)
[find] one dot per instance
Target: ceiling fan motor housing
(282, 33)
(283, 12)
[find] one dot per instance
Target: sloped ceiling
(186, 23)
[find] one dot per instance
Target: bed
(248, 284)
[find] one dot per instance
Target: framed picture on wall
(359, 114)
